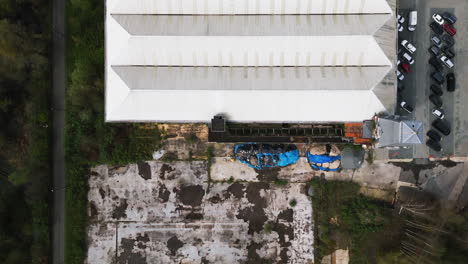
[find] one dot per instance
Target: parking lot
(417, 83)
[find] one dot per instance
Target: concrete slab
(157, 212)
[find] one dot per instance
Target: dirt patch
(194, 216)
(173, 244)
(268, 174)
(119, 211)
(144, 170)
(142, 240)
(255, 215)
(236, 189)
(191, 195)
(93, 210)
(128, 255)
(215, 199)
(102, 193)
(163, 193)
(286, 215)
(252, 255)
(253, 193)
(165, 169)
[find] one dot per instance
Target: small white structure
(252, 60)
(398, 133)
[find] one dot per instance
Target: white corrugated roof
(174, 73)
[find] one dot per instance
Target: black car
(436, 100)
(442, 125)
(434, 50)
(433, 145)
(436, 90)
(449, 52)
(436, 64)
(437, 28)
(448, 40)
(451, 82)
(438, 77)
(434, 135)
(449, 17)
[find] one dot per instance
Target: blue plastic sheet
(314, 160)
(259, 156)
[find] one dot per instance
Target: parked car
(412, 20)
(449, 29)
(438, 19)
(451, 82)
(408, 46)
(436, 89)
(408, 58)
(448, 40)
(449, 52)
(399, 27)
(408, 108)
(437, 28)
(442, 125)
(437, 41)
(433, 145)
(434, 135)
(438, 113)
(400, 19)
(449, 17)
(436, 100)
(434, 50)
(405, 67)
(400, 75)
(438, 77)
(436, 64)
(446, 61)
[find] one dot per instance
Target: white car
(407, 57)
(400, 75)
(438, 113)
(408, 46)
(399, 27)
(400, 19)
(447, 61)
(438, 19)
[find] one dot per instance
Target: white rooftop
(252, 60)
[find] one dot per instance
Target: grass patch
(346, 219)
(280, 182)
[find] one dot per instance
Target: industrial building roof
(263, 60)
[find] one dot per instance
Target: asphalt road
(417, 83)
(58, 155)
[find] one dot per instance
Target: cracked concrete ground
(156, 212)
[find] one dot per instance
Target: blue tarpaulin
(259, 156)
(314, 160)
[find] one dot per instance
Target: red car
(405, 67)
(450, 30)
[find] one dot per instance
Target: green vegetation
(88, 139)
(280, 182)
(293, 202)
(268, 227)
(347, 219)
(25, 131)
